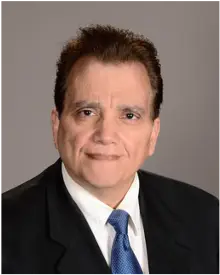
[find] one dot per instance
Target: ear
(55, 121)
(154, 136)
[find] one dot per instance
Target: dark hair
(109, 44)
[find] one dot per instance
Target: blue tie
(123, 259)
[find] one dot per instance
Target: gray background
(186, 36)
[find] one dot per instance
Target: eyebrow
(86, 104)
(97, 105)
(133, 108)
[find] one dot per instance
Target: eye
(131, 116)
(85, 113)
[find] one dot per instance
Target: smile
(103, 157)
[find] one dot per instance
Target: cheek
(137, 145)
(73, 140)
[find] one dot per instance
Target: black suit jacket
(43, 230)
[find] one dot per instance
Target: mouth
(103, 157)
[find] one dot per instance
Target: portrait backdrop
(186, 35)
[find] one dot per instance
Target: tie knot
(119, 220)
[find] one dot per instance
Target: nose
(106, 132)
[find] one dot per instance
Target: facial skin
(105, 132)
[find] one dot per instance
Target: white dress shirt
(96, 213)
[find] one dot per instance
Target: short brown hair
(109, 44)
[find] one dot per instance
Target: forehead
(125, 83)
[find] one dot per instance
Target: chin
(101, 179)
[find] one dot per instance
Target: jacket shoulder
(25, 225)
(20, 190)
(27, 188)
(180, 195)
(27, 197)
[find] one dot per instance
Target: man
(94, 211)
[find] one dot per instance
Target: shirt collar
(89, 204)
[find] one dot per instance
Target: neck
(111, 196)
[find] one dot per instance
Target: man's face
(105, 131)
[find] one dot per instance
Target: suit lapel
(168, 252)
(80, 252)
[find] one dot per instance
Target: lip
(103, 157)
